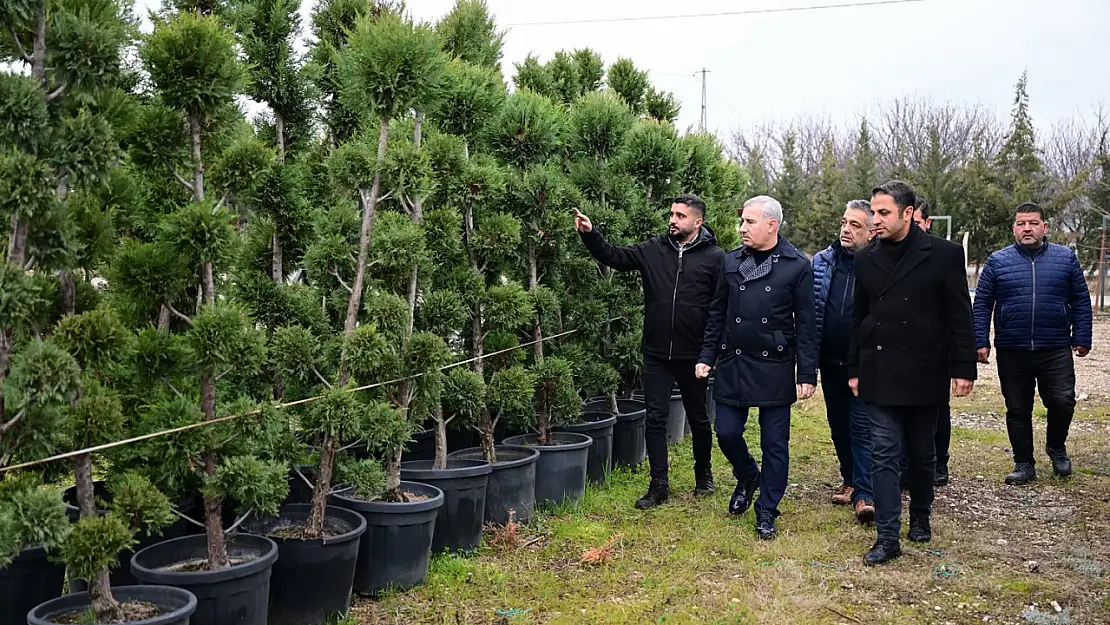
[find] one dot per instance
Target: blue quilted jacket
(1038, 300)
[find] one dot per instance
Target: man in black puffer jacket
(680, 271)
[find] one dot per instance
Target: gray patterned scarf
(750, 271)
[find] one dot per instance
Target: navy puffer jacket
(1038, 300)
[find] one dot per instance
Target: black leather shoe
(1061, 464)
(657, 493)
(941, 478)
(704, 485)
(744, 494)
(765, 525)
(882, 552)
(920, 532)
(1023, 473)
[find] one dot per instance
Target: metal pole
(1102, 265)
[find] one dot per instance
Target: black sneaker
(920, 532)
(941, 478)
(657, 493)
(704, 486)
(1023, 473)
(764, 525)
(1061, 464)
(882, 551)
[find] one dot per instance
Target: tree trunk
(198, 165)
(392, 467)
(107, 609)
(413, 274)
(213, 509)
(67, 292)
(441, 437)
(370, 203)
(100, 586)
(17, 242)
(543, 425)
(612, 401)
(322, 488)
(486, 426)
(276, 267)
(164, 318)
(38, 50)
(418, 219)
(533, 282)
(83, 485)
(279, 132)
(208, 284)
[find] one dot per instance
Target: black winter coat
(678, 286)
(762, 332)
(911, 325)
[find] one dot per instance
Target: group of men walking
(884, 314)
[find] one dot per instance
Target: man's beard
(679, 235)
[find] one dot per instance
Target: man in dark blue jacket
(834, 285)
(762, 337)
(1041, 307)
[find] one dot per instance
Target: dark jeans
(893, 427)
(659, 377)
(774, 442)
(942, 439)
(1052, 371)
(850, 428)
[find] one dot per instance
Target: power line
(645, 18)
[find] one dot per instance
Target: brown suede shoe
(865, 511)
(842, 496)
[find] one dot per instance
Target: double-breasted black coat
(912, 329)
(762, 331)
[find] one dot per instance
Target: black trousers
(659, 377)
(1052, 371)
(942, 440)
(893, 427)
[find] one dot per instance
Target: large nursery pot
(511, 490)
(423, 443)
(629, 440)
(460, 519)
(598, 425)
(175, 606)
(29, 580)
(237, 595)
(121, 575)
(676, 419)
(311, 580)
(394, 551)
(561, 468)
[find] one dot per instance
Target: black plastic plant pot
(237, 595)
(29, 580)
(599, 427)
(175, 606)
(511, 490)
(460, 520)
(629, 434)
(312, 579)
(121, 575)
(676, 420)
(561, 469)
(394, 551)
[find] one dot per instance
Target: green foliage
(96, 338)
(555, 394)
(24, 117)
(469, 33)
(367, 477)
(222, 339)
(390, 65)
(26, 186)
(192, 62)
(443, 312)
(406, 172)
(95, 544)
(385, 428)
(653, 156)
(337, 414)
(629, 83)
(531, 75)
(526, 130)
(139, 504)
(30, 516)
(590, 69)
(253, 484)
(511, 392)
(295, 351)
(464, 395)
(95, 418)
(507, 307)
(84, 147)
(662, 105)
(497, 236)
(594, 377)
(564, 74)
(158, 356)
(389, 312)
(367, 354)
(598, 124)
(201, 235)
(469, 98)
(23, 300)
(237, 165)
(353, 164)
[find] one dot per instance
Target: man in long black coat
(679, 270)
(912, 342)
(761, 328)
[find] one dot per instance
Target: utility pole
(1102, 265)
(702, 123)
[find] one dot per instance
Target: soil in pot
(311, 581)
(629, 434)
(561, 468)
(149, 605)
(237, 595)
(121, 575)
(599, 427)
(461, 518)
(29, 580)
(394, 550)
(511, 489)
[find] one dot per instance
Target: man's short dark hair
(1029, 207)
(693, 202)
(922, 206)
(902, 193)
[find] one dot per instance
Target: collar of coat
(783, 248)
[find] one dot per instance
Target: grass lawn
(996, 550)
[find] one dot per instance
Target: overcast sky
(836, 62)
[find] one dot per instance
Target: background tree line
(970, 163)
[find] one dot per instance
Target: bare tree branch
(239, 521)
(14, 420)
(57, 93)
(223, 200)
(221, 376)
(322, 379)
(180, 315)
(19, 45)
(352, 445)
(343, 284)
(174, 389)
(182, 180)
(187, 518)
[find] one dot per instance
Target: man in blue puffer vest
(1041, 308)
(833, 289)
